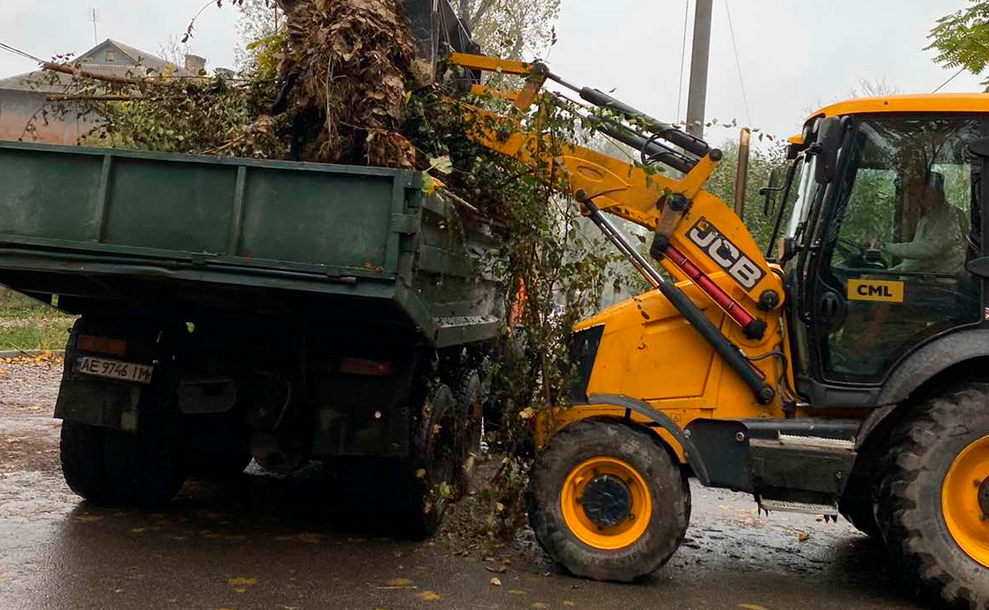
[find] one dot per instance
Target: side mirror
(767, 191)
(829, 136)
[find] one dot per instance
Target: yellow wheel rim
(964, 516)
(609, 537)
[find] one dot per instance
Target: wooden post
(742, 174)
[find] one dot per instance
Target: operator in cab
(939, 241)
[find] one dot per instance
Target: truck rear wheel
(142, 468)
(81, 454)
(107, 466)
(933, 500)
(426, 479)
(470, 413)
(607, 502)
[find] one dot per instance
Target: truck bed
(101, 227)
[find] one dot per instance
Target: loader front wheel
(607, 502)
(933, 500)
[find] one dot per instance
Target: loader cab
(887, 221)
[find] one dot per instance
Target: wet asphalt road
(261, 542)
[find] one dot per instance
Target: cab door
(888, 268)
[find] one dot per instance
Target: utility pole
(94, 16)
(697, 93)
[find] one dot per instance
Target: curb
(17, 353)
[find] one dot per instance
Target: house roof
(126, 61)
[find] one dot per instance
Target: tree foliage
(763, 160)
(511, 29)
(961, 39)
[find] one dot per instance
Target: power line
(683, 55)
(945, 83)
(18, 52)
(738, 64)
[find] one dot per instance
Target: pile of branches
(343, 68)
(345, 71)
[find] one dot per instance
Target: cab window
(906, 218)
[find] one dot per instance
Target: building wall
(16, 110)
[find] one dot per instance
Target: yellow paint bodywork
(649, 352)
(490, 64)
(923, 103)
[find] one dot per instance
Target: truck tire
(142, 468)
(468, 395)
(933, 498)
(80, 449)
(425, 480)
(639, 507)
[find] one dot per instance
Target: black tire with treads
(414, 481)
(909, 511)
(468, 394)
(667, 487)
(81, 448)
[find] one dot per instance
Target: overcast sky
(794, 55)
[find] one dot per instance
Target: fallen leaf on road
(497, 569)
(516, 591)
(137, 530)
(496, 581)
(241, 584)
(803, 536)
(399, 582)
(751, 607)
(540, 605)
(567, 602)
(427, 596)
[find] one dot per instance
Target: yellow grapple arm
(697, 237)
(698, 225)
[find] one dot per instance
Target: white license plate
(114, 369)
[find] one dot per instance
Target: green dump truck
(232, 309)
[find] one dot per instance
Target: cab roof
(926, 102)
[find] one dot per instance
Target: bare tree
(873, 88)
(259, 19)
(510, 28)
(173, 50)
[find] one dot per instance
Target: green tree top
(961, 39)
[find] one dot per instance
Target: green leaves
(961, 39)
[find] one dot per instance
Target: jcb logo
(875, 290)
(725, 254)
